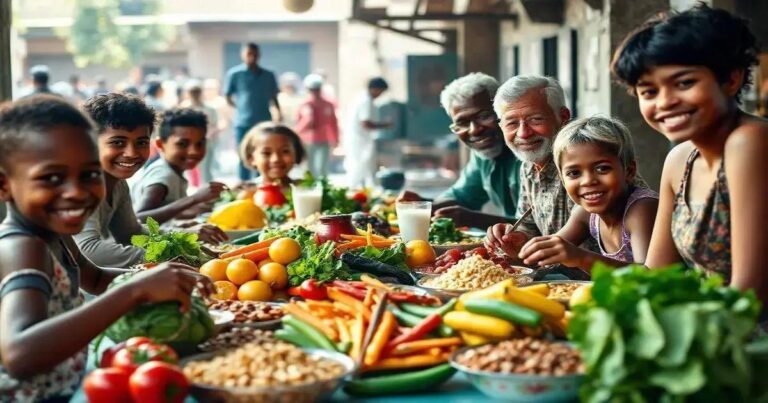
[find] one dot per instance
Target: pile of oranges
(245, 280)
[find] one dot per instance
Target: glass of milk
(306, 200)
(414, 217)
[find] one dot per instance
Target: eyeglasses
(483, 118)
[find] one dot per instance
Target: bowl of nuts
(269, 372)
(523, 370)
(255, 314)
(562, 290)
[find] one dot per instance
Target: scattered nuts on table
(248, 311)
(471, 273)
(562, 290)
(236, 337)
(524, 356)
(262, 365)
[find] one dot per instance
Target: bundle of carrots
(363, 239)
(372, 328)
(255, 252)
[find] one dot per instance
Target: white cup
(306, 200)
(413, 218)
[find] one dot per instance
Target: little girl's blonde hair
(607, 132)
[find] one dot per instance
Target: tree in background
(95, 36)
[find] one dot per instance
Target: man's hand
(407, 195)
(501, 236)
(209, 233)
(462, 216)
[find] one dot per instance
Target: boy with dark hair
(161, 190)
(124, 124)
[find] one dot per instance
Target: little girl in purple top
(596, 161)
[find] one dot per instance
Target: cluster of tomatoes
(137, 371)
(453, 256)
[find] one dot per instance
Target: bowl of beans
(469, 274)
(561, 290)
(268, 372)
(523, 370)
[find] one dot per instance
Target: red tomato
(138, 341)
(130, 358)
(105, 385)
(360, 197)
(109, 355)
(158, 382)
(310, 289)
(269, 195)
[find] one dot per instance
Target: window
(549, 50)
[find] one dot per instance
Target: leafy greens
(165, 246)
(443, 230)
(668, 335)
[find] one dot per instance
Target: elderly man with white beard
(492, 173)
(532, 111)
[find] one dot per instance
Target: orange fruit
(265, 261)
(216, 269)
(240, 271)
(254, 290)
(284, 250)
(419, 253)
(224, 290)
(275, 275)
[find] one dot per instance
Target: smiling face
(684, 102)
(123, 152)
(185, 147)
(476, 125)
(273, 156)
(594, 177)
(55, 179)
(529, 125)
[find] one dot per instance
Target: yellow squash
(482, 325)
(239, 214)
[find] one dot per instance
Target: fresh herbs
(278, 214)
(393, 256)
(317, 262)
(443, 230)
(335, 200)
(664, 336)
(164, 246)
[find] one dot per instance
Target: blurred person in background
(360, 135)
(153, 95)
(194, 99)
(317, 126)
(251, 89)
(40, 77)
(78, 94)
(289, 97)
(101, 86)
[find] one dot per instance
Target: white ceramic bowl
(522, 388)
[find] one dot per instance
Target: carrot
(344, 335)
(368, 300)
(357, 332)
(309, 318)
(369, 234)
(248, 248)
(342, 309)
(380, 338)
(420, 345)
(350, 245)
(352, 237)
(364, 235)
(383, 244)
(411, 361)
(336, 295)
(315, 303)
(374, 282)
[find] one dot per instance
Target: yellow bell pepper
(239, 214)
(480, 324)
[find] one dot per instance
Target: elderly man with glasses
(492, 173)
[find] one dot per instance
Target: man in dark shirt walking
(250, 89)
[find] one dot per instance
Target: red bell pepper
(423, 328)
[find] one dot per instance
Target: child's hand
(209, 233)
(210, 192)
(501, 236)
(545, 250)
(169, 282)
